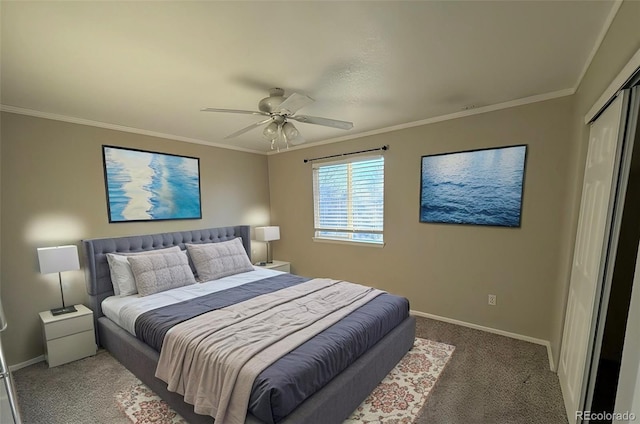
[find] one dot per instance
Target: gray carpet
(490, 379)
(76, 393)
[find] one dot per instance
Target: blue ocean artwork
(144, 186)
(482, 187)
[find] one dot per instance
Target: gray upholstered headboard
(98, 278)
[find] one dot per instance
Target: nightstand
(68, 337)
(279, 266)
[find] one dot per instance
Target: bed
(331, 403)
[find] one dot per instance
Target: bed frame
(332, 404)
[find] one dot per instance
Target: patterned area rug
(398, 398)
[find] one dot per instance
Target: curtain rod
(385, 147)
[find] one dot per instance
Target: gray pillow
(122, 278)
(160, 272)
(217, 260)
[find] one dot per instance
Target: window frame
(347, 240)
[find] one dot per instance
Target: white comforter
(124, 310)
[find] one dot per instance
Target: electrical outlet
(492, 299)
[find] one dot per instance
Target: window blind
(349, 199)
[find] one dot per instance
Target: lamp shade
(271, 131)
(58, 259)
(267, 233)
(290, 131)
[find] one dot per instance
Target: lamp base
(65, 310)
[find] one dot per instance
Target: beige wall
(447, 270)
(53, 193)
(619, 45)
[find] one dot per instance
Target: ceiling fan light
(290, 131)
(271, 131)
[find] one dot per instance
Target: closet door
(628, 391)
(598, 192)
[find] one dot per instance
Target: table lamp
(59, 259)
(268, 234)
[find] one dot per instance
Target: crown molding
(80, 121)
(456, 115)
(484, 109)
(596, 46)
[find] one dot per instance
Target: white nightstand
(279, 266)
(68, 337)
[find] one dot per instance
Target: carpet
(398, 398)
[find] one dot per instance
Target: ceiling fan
(280, 110)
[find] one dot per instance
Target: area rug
(398, 398)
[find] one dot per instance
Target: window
(348, 200)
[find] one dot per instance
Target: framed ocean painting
(479, 187)
(150, 186)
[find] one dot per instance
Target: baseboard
(544, 343)
(21, 365)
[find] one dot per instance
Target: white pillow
(217, 260)
(164, 271)
(124, 283)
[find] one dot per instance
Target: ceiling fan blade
(249, 128)
(246, 112)
(293, 103)
(334, 123)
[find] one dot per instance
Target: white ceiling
(151, 66)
